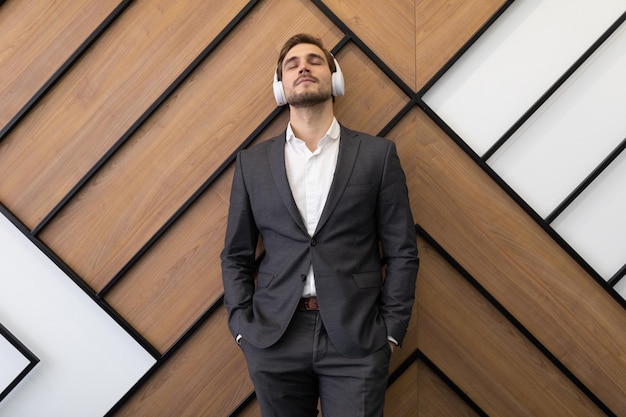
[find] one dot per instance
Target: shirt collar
(332, 132)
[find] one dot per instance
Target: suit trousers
(304, 366)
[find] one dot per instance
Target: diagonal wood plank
(484, 354)
(521, 265)
(442, 28)
(372, 21)
(435, 398)
(36, 38)
(77, 122)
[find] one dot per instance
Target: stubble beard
(309, 98)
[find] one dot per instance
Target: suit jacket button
(303, 277)
(313, 242)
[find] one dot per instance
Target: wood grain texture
(149, 184)
(184, 143)
(206, 377)
(436, 398)
(521, 266)
(36, 38)
(168, 289)
(194, 135)
(484, 354)
(401, 398)
(252, 410)
(371, 99)
(101, 97)
(387, 28)
(442, 27)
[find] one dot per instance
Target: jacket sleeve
(396, 230)
(238, 255)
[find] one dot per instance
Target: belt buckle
(310, 304)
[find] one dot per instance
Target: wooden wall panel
(36, 39)
(442, 28)
(486, 356)
(372, 24)
(102, 96)
(371, 98)
(436, 398)
(164, 280)
(252, 410)
(149, 296)
(401, 399)
(206, 377)
(169, 289)
(182, 145)
(520, 265)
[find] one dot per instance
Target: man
(317, 320)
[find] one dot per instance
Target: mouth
(305, 80)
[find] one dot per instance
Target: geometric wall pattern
(85, 360)
(16, 361)
(119, 123)
(555, 135)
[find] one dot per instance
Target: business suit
(367, 205)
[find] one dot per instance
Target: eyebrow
(308, 56)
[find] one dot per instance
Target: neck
(311, 123)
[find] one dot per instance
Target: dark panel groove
(145, 116)
(553, 89)
(84, 47)
(458, 391)
(523, 330)
(81, 284)
(464, 48)
(520, 201)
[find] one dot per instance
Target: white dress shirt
(310, 175)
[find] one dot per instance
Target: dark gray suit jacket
(366, 219)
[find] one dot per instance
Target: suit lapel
(276, 155)
(348, 147)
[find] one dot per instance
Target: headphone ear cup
(339, 88)
(279, 91)
(338, 83)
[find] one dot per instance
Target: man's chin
(308, 99)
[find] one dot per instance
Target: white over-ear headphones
(337, 82)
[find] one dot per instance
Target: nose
(303, 68)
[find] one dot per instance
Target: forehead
(303, 50)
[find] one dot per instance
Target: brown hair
(298, 39)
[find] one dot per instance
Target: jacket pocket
(368, 279)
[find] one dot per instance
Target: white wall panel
(87, 361)
(12, 363)
(594, 224)
(519, 57)
(621, 288)
(576, 129)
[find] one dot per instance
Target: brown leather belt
(309, 304)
